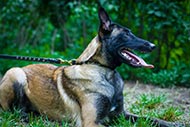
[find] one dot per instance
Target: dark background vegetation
(63, 28)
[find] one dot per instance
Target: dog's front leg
(89, 114)
(156, 122)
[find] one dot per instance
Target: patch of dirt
(177, 96)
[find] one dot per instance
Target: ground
(139, 99)
(177, 97)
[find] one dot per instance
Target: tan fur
(6, 85)
(90, 51)
(53, 90)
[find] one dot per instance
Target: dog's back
(35, 88)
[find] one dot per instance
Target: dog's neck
(94, 54)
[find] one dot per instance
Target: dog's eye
(127, 32)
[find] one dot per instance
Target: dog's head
(114, 45)
(120, 41)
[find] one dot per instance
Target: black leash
(38, 59)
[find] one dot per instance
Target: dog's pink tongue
(140, 60)
(144, 64)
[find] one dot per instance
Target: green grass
(14, 119)
(146, 105)
(155, 106)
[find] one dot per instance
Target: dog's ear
(104, 20)
(90, 51)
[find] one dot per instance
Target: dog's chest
(100, 86)
(101, 80)
(93, 77)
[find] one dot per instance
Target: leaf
(158, 13)
(151, 12)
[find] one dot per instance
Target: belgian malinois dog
(88, 92)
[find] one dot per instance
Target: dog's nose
(152, 46)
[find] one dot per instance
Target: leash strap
(38, 59)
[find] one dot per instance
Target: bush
(178, 75)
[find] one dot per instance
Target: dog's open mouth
(134, 60)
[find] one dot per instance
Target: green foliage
(15, 119)
(151, 105)
(177, 75)
(121, 122)
(64, 28)
(145, 102)
(10, 119)
(170, 114)
(151, 101)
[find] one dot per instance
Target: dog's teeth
(123, 54)
(126, 56)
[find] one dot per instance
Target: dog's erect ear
(104, 19)
(90, 51)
